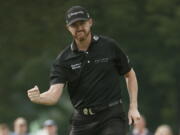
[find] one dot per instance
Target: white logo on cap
(75, 13)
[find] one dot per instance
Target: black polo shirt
(92, 76)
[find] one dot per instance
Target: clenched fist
(34, 94)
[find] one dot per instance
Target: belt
(93, 110)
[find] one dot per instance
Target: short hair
(20, 119)
(163, 128)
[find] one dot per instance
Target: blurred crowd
(20, 127)
(141, 129)
(49, 127)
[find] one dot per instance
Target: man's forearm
(49, 97)
(132, 87)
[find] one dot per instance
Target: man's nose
(79, 27)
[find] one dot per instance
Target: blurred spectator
(20, 126)
(163, 130)
(50, 127)
(4, 129)
(140, 128)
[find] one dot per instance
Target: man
(140, 128)
(4, 129)
(50, 127)
(20, 126)
(163, 130)
(91, 67)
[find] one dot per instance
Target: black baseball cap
(76, 13)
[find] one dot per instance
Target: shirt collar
(95, 38)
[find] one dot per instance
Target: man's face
(141, 124)
(80, 29)
(51, 129)
(4, 131)
(20, 127)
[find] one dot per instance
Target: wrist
(133, 106)
(39, 100)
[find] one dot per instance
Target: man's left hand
(133, 116)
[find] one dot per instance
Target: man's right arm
(49, 97)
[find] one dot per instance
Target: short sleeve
(122, 61)
(58, 73)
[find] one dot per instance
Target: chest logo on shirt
(101, 60)
(76, 66)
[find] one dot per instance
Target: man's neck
(84, 44)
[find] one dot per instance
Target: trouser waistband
(94, 110)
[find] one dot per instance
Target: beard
(81, 35)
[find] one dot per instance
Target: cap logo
(75, 13)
